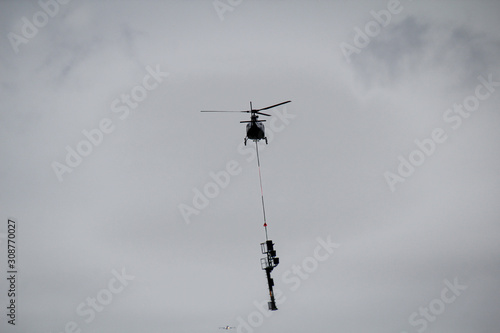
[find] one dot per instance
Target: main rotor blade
(225, 111)
(262, 113)
(250, 121)
(272, 106)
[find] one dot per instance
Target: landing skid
(246, 139)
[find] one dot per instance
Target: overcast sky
(381, 177)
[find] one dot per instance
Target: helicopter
(255, 129)
(227, 328)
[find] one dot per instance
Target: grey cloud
(416, 45)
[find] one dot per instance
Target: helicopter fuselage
(255, 131)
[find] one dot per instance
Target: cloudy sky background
(323, 173)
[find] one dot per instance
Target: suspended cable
(261, 191)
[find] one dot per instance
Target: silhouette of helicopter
(255, 128)
(227, 328)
